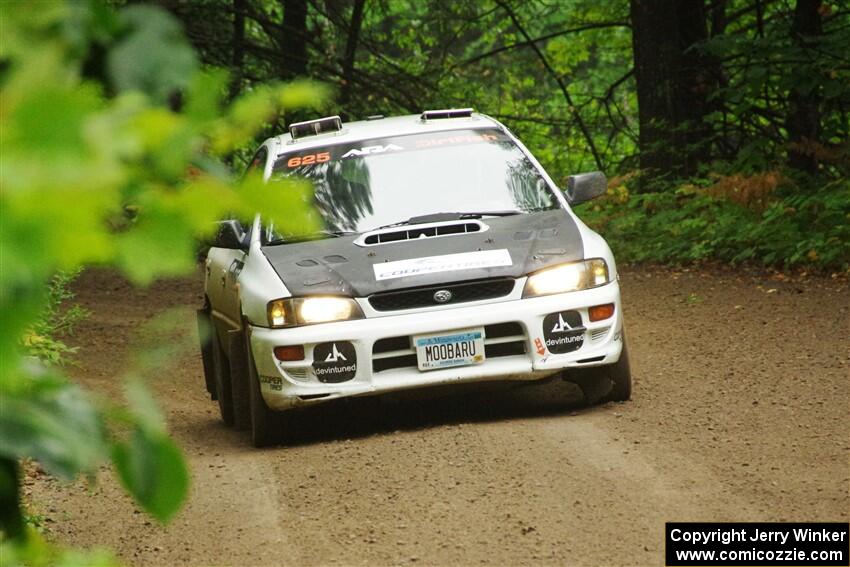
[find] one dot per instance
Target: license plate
(460, 348)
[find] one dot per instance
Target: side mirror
(231, 235)
(586, 186)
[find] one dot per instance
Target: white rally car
(448, 256)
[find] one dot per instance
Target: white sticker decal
(445, 263)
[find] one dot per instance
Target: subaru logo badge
(443, 296)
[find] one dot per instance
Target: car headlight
(309, 310)
(574, 276)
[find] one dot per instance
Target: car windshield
(368, 184)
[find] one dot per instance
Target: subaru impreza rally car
(448, 256)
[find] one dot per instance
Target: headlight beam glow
(574, 276)
(296, 311)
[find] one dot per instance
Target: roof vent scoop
(315, 127)
(447, 113)
(415, 232)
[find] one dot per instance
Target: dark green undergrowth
(690, 224)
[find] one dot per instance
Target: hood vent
(417, 231)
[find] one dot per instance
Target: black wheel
(239, 380)
(266, 425)
(206, 333)
(600, 384)
(223, 389)
(620, 374)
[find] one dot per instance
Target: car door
(223, 266)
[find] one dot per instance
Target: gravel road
(739, 413)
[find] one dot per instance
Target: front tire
(266, 424)
(239, 379)
(206, 335)
(620, 375)
(223, 388)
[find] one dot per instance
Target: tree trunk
(293, 39)
(674, 81)
(351, 52)
(237, 55)
(718, 18)
(804, 114)
(694, 83)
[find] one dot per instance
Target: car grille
(503, 339)
(424, 296)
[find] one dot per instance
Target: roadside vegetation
(759, 219)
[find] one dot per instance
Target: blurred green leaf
(48, 122)
(152, 469)
(153, 56)
(287, 203)
(159, 244)
(53, 422)
(205, 95)
(35, 551)
(143, 407)
(303, 93)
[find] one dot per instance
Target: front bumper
(386, 362)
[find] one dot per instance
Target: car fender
(258, 282)
(595, 246)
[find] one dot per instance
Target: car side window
(258, 162)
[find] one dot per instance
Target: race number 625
(309, 159)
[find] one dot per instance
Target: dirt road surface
(740, 413)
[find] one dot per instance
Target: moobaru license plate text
(447, 350)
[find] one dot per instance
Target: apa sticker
(444, 263)
(563, 331)
(335, 361)
(355, 152)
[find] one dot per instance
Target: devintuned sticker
(444, 263)
(334, 362)
(563, 331)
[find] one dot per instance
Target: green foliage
(54, 422)
(35, 521)
(42, 340)
(112, 144)
(151, 467)
(169, 61)
(689, 225)
(34, 551)
(764, 62)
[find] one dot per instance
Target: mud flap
(205, 336)
(239, 379)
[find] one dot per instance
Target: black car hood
(337, 266)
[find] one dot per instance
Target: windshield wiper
(437, 217)
(478, 215)
(322, 234)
